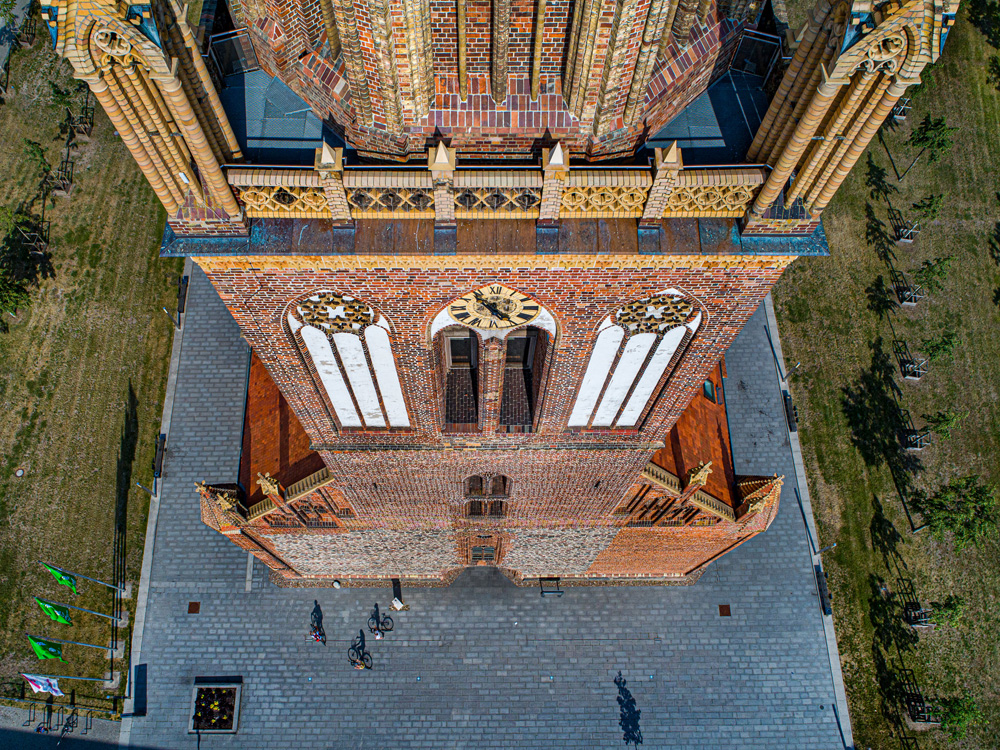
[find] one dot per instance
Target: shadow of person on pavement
(629, 715)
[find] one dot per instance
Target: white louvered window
(634, 348)
(352, 354)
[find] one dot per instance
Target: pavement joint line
(805, 503)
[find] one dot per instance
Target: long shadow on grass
(123, 483)
(877, 420)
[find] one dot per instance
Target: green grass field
(82, 376)
(829, 325)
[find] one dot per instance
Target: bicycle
(317, 634)
(377, 624)
(359, 659)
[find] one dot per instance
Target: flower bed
(215, 709)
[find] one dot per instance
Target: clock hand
(490, 306)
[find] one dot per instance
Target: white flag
(42, 684)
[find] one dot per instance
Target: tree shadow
(985, 16)
(877, 236)
(890, 686)
(881, 298)
(876, 419)
(879, 188)
(629, 714)
(885, 537)
(886, 617)
(123, 483)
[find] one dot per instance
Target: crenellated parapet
(851, 66)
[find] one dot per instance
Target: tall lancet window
(349, 345)
(634, 349)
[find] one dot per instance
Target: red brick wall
(411, 481)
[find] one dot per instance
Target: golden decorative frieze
(498, 203)
(391, 202)
(284, 202)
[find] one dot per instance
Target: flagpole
(60, 640)
(66, 677)
(81, 575)
(88, 611)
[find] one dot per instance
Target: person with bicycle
(358, 655)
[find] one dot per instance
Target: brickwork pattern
(394, 70)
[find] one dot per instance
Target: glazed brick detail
(289, 42)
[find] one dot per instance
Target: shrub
(943, 422)
(928, 208)
(932, 273)
(964, 507)
(949, 612)
(941, 347)
(932, 135)
(958, 714)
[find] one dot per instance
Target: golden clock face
(494, 306)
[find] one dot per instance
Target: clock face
(494, 306)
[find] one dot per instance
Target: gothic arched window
(348, 344)
(483, 318)
(620, 382)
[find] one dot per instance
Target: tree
(949, 612)
(964, 507)
(13, 295)
(929, 207)
(943, 422)
(932, 273)
(933, 136)
(7, 12)
(939, 348)
(993, 71)
(958, 714)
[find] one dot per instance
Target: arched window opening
(487, 486)
(476, 397)
(622, 380)
(460, 358)
(485, 509)
(349, 346)
(525, 352)
(499, 486)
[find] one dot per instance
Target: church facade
(489, 315)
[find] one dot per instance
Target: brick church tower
(489, 255)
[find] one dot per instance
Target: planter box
(205, 696)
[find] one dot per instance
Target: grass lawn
(82, 376)
(829, 324)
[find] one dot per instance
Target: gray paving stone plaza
(481, 663)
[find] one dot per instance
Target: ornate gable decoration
(654, 314)
(336, 313)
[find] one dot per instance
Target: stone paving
(481, 663)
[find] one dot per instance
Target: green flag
(62, 577)
(57, 612)
(46, 649)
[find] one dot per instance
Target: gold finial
(699, 476)
(268, 484)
